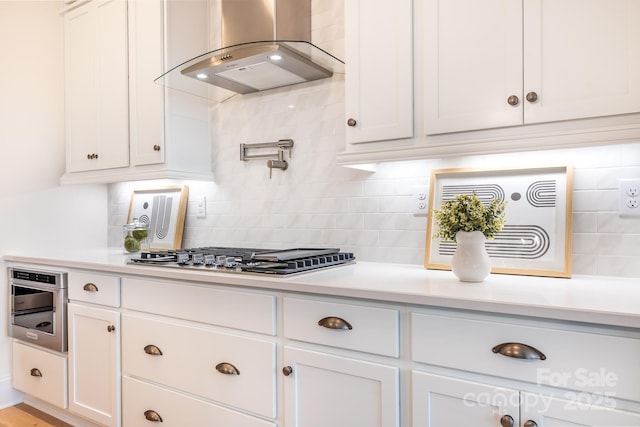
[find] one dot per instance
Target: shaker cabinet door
(328, 390)
(472, 64)
(378, 70)
(96, 94)
(582, 58)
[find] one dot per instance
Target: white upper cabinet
(378, 70)
(506, 63)
(121, 125)
(96, 75)
(582, 58)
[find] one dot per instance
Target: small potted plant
(469, 222)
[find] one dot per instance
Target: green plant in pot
(469, 222)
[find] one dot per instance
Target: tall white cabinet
(96, 96)
(504, 63)
(379, 70)
(121, 125)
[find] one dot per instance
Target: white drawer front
(233, 309)
(51, 386)
(175, 409)
(373, 329)
(94, 288)
(588, 362)
(189, 359)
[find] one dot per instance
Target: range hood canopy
(266, 45)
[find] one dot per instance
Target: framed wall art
(164, 209)
(536, 238)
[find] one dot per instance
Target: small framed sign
(536, 238)
(164, 209)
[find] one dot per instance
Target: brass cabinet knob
(111, 328)
(156, 147)
(287, 370)
(334, 323)
(506, 421)
(532, 97)
(352, 123)
(227, 369)
(519, 351)
(153, 416)
(513, 100)
(152, 350)
(90, 287)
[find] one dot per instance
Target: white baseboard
(8, 395)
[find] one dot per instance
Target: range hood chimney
(266, 44)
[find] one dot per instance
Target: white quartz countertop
(598, 300)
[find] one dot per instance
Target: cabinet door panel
(80, 105)
(472, 64)
(325, 390)
(444, 402)
(96, 76)
(146, 97)
(379, 69)
(581, 58)
(94, 363)
(581, 410)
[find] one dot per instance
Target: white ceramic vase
(471, 261)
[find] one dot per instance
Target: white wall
(35, 212)
(317, 203)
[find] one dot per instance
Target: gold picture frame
(536, 238)
(164, 209)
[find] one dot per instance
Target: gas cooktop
(246, 260)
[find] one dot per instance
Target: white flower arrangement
(467, 213)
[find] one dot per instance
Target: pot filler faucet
(276, 160)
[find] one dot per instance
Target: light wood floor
(22, 415)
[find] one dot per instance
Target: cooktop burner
(247, 260)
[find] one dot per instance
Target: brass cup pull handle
(90, 287)
(513, 100)
(153, 416)
(506, 421)
(519, 351)
(227, 369)
(532, 97)
(35, 372)
(287, 370)
(152, 350)
(334, 323)
(352, 123)
(530, 423)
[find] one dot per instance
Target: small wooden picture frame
(164, 209)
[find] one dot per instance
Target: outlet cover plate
(420, 200)
(629, 197)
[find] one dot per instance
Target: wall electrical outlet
(201, 207)
(420, 200)
(629, 197)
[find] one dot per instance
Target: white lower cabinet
(225, 368)
(323, 390)
(40, 373)
(94, 363)
(145, 404)
(440, 401)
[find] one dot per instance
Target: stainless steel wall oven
(38, 307)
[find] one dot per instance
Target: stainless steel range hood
(267, 44)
